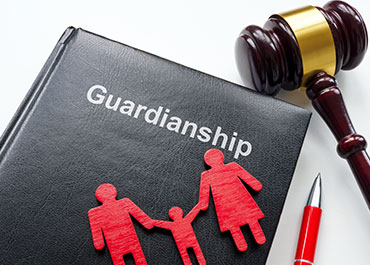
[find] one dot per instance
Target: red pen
(310, 226)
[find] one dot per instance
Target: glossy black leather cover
(60, 147)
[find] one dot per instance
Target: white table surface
(201, 34)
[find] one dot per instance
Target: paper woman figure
(183, 233)
(234, 205)
(113, 220)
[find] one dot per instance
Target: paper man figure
(234, 205)
(113, 220)
(183, 233)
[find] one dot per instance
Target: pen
(310, 226)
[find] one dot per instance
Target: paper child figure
(234, 205)
(183, 233)
(113, 220)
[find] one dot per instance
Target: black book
(104, 112)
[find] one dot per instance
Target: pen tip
(318, 180)
(315, 195)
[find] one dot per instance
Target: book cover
(103, 112)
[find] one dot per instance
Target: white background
(201, 34)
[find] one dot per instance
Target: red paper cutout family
(234, 206)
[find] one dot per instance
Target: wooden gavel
(305, 48)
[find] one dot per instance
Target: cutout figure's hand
(202, 206)
(162, 224)
(258, 186)
(149, 223)
(193, 213)
(196, 209)
(99, 245)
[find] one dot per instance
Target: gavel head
(292, 47)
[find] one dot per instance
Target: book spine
(31, 97)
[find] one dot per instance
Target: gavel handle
(327, 99)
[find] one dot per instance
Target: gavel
(305, 48)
